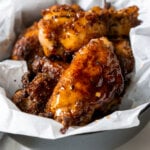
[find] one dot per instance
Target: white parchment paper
(16, 15)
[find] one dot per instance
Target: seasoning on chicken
(38, 85)
(65, 28)
(121, 21)
(77, 74)
(124, 53)
(33, 98)
(93, 79)
(27, 46)
(53, 68)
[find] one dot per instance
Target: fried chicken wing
(65, 28)
(120, 22)
(124, 53)
(98, 22)
(53, 68)
(54, 18)
(89, 25)
(27, 46)
(33, 98)
(93, 79)
(38, 87)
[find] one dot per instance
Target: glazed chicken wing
(53, 68)
(92, 80)
(54, 18)
(67, 28)
(124, 53)
(27, 46)
(33, 98)
(76, 74)
(64, 28)
(121, 21)
(38, 87)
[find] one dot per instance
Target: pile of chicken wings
(79, 62)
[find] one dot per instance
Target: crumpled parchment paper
(14, 17)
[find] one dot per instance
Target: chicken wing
(54, 18)
(76, 73)
(27, 46)
(92, 81)
(65, 28)
(124, 53)
(121, 21)
(38, 85)
(33, 98)
(53, 68)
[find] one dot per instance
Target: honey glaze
(93, 78)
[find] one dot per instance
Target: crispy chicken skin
(33, 98)
(27, 46)
(69, 27)
(54, 18)
(38, 85)
(64, 29)
(53, 68)
(121, 21)
(93, 79)
(124, 53)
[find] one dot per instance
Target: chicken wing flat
(93, 79)
(27, 46)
